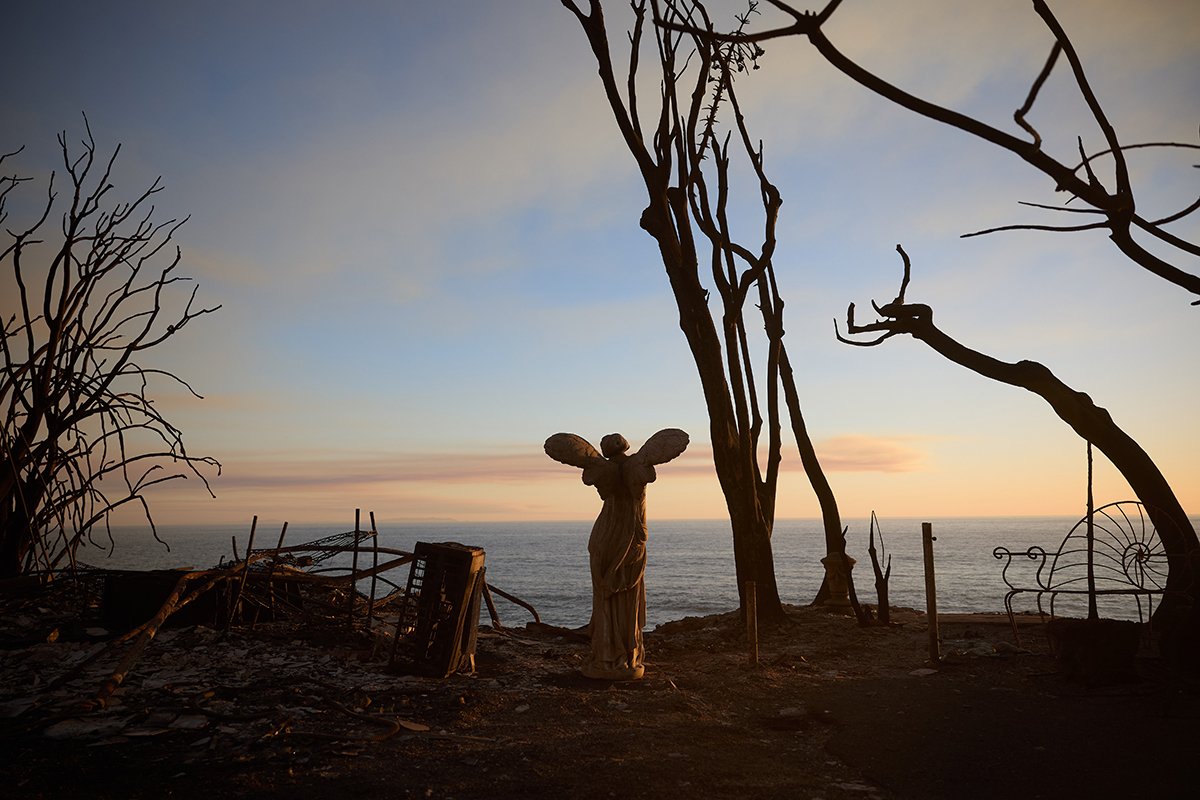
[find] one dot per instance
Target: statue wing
(567, 448)
(662, 447)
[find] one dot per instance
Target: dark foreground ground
(831, 711)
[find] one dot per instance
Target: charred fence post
(927, 540)
(353, 569)
(236, 605)
(374, 569)
(271, 568)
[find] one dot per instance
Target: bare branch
(1054, 228)
(1019, 114)
(1124, 193)
(1159, 233)
(82, 435)
(1138, 146)
(907, 275)
(804, 23)
(1116, 205)
(1178, 215)
(1059, 208)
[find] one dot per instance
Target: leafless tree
(82, 434)
(1092, 422)
(686, 157)
(1109, 201)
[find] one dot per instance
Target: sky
(422, 228)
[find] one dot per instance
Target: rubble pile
(301, 692)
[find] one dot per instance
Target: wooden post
(374, 569)
(271, 568)
(237, 600)
(250, 541)
(752, 621)
(927, 540)
(354, 567)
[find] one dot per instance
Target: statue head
(612, 444)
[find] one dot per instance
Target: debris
(274, 666)
(77, 727)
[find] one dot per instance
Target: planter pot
(1095, 652)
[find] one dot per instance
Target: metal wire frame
(1129, 560)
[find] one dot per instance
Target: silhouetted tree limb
(1093, 226)
(1019, 114)
(1092, 422)
(82, 434)
(882, 576)
(1115, 209)
(686, 163)
(1116, 204)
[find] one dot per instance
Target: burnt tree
(686, 160)
(1104, 197)
(83, 304)
(1109, 199)
(1092, 422)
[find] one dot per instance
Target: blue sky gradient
(422, 226)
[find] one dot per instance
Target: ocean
(690, 570)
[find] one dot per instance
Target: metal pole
(927, 540)
(1093, 613)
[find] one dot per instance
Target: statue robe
(617, 554)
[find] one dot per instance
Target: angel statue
(617, 547)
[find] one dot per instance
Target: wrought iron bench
(1129, 563)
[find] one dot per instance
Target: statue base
(601, 673)
(837, 580)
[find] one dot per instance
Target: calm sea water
(690, 568)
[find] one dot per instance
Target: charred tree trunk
(751, 527)
(673, 153)
(883, 607)
(835, 540)
(18, 527)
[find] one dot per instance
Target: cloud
(315, 470)
(398, 185)
(847, 453)
(860, 453)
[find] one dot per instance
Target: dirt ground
(831, 710)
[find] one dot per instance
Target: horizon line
(582, 520)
